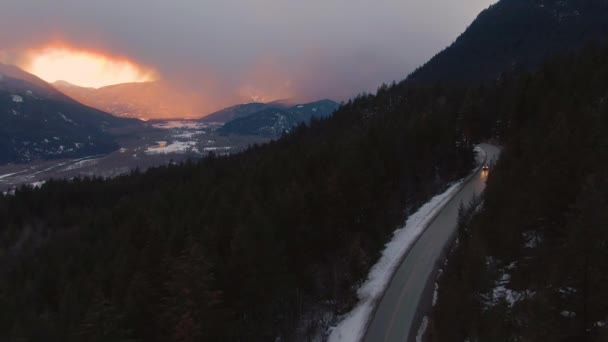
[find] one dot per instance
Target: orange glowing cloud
(86, 68)
(266, 81)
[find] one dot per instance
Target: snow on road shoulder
(352, 326)
(422, 330)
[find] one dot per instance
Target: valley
(466, 202)
(152, 144)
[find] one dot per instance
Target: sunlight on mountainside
(85, 68)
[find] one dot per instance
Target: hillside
(273, 121)
(238, 111)
(252, 247)
(533, 264)
(39, 122)
(270, 244)
(517, 35)
(145, 100)
(13, 79)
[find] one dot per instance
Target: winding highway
(397, 315)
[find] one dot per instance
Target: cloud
(236, 50)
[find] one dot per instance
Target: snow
(436, 294)
(37, 185)
(568, 314)
(422, 330)
(177, 124)
(567, 291)
(481, 154)
(188, 134)
(8, 175)
(532, 239)
(175, 147)
(210, 149)
(65, 118)
(82, 163)
(9, 192)
(352, 326)
(501, 292)
(17, 98)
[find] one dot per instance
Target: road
(397, 311)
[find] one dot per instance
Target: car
(485, 167)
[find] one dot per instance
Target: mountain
(13, 79)
(267, 122)
(272, 243)
(197, 246)
(274, 121)
(144, 100)
(39, 122)
(243, 110)
(532, 263)
(517, 35)
(235, 112)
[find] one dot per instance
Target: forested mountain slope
(533, 264)
(239, 111)
(39, 122)
(517, 35)
(253, 247)
(274, 121)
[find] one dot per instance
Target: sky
(232, 51)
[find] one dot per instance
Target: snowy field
(179, 124)
(174, 147)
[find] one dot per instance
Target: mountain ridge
(39, 122)
(141, 100)
(516, 35)
(274, 121)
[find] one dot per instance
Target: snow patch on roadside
(422, 330)
(352, 326)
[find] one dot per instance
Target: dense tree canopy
(532, 266)
(238, 248)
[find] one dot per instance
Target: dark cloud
(231, 50)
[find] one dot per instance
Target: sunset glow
(84, 68)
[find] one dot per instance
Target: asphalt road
(397, 311)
